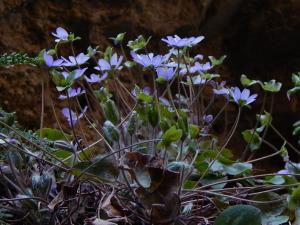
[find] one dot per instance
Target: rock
(260, 38)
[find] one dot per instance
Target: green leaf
(239, 215)
(246, 82)
(111, 111)
(209, 180)
(296, 193)
(164, 124)
(129, 64)
(132, 123)
(216, 62)
(269, 210)
(237, 168)
(252, 137)
(277, 180)
(161, 80)
(292, 91)
(119, 38)
(108, 53)
(234, 169)
(193, 130)
(110, 131)
(171, 135)
(189, 184)
(138, 43)
(53, 134)
(265, 119)
(275, 220)
(182, 123)
(296, 129)
(271, 86)
(105, 169)
(296, 79)
(152, 113)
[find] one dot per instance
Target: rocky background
(260, 37)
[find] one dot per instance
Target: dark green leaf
(105, 169)
(239, 215)
(53, 134)
(252, 137)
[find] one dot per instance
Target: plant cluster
(154, 158)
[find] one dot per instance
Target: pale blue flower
(114, 63)
(75, 73)
(72, 116)
(199, 56)
(61, 34)
(166, 73)
(75, 61)
(150, 59)
(72, 92)
(220, 89)
(178, 42)
(94, 78)
(201, 68)
(242, 97)
(164, 101)
(50, 62)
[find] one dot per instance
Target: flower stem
(223, 146)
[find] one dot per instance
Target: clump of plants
(154, 157)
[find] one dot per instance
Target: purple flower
(71, 116)
(164, 101)
(166, 73)
(220, 89)
(114, 63)
(72, 92)
(200, 67)
(75, 73)
(50, 62)
(75, 61)
(208, 118)
(94, 78)
(61, 34)
(150, 59)
(199, 56)
(242, 98)
(179, 42)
